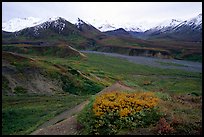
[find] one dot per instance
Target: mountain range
(188, 30)
(166, 28)
(175, 29)
(168, 38)
(184, 30)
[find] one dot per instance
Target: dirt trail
(66, 123)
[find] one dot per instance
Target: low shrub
(20, 90)
(163, 96)
(147, 82)
(163, 127)
(5, 83)
(75, 84)
(110, 112)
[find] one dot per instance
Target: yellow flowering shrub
(110, 112)
(124, 104)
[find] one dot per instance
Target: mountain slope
(189, 30)
(51, 31)
(87, 30)
(163, 27)
(27, 75)
(118, 32)
(57, 26)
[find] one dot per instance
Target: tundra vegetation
(164, 101)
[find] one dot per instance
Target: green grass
(72, 80)
(113, 69)
(182, 85)
(197, 58)
(20, 90)
(170, 64)
(119, 66)
(5, 83)
(59, 50)
(121, 42)
(23, 114)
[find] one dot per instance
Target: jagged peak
(81, 22)
(197, 21)
(52, 19)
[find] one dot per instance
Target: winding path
(66, 122)
(63, 123)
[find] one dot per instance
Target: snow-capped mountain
(169, 28)
(106, 27)
(127, 27)
(80, 22)
(85, 27)
(195, 22)
(188, 30)
(166, 25)
(17, 24)
(118, 32)
(55, 22)
(50, 26)
(57, 28)
(133, 29)
(173, 24)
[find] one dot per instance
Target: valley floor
(157, 62)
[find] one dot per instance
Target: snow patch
(106, 27)
(17, 24)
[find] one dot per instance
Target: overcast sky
(98, 12)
